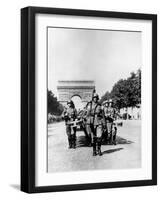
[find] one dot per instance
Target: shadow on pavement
(82, 141)
(119, 140)
(112, 150)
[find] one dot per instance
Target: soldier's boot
(99, 148)
(74, 145)
(74, 141)
(94, 150)
(114, 140)
(105, 136)
(70, 142)
(114, 137)
(94, 147)
(89, 140)
(108, 140)
(111, 137)
(99, 151)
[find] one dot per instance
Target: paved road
(126, 154)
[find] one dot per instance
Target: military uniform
(70, 115)
(110, 116)
(95, 122)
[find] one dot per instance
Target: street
(125, 155)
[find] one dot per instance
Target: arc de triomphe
(69, 89)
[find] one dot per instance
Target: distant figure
(70, 115)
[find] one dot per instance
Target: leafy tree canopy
(105, 97)
(54, 107)
(126, 92)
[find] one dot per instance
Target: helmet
(69, 102)
(110, 101)
(105, 102)
(95, 96)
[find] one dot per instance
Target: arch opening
(77, 102)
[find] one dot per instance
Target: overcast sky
(102, 56)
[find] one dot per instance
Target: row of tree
(54, 107)
(126, 92)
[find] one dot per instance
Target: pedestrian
(70, 115)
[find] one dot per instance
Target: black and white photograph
(89, 90)
(94, 99)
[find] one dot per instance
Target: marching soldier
(70, 115)
(110, 115)
(95, 123)
(106, 133)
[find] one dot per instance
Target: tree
(119, 94)
(134, 89)
(126, 92)
(105, 97)
(138, 75)
(54, 107)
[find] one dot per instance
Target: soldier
(70, 115)
(106, 133)
(95, 122)
(110, 115)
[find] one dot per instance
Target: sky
(101, 55)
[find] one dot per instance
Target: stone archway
(69, 89)
(77, 102)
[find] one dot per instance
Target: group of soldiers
(98, 122)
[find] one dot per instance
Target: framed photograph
(88, 99)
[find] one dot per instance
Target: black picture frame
(28, 98)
